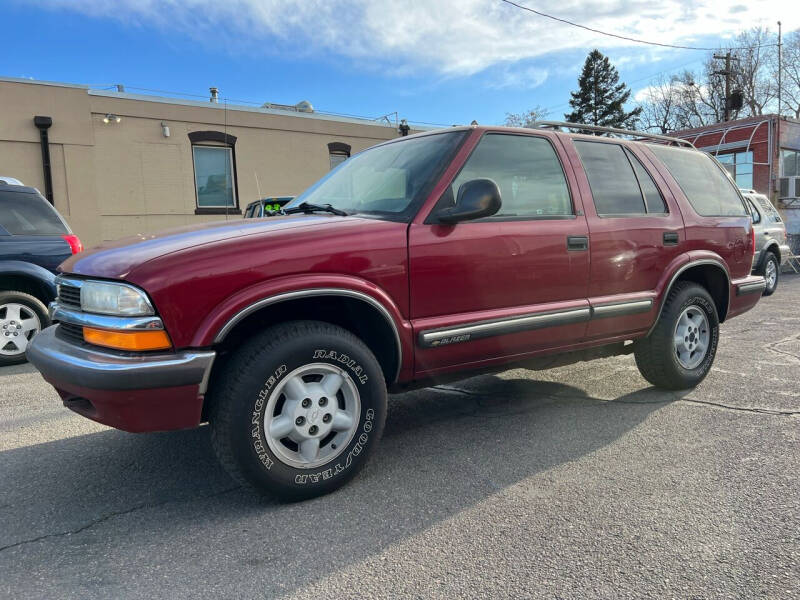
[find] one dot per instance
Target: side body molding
(308, 293)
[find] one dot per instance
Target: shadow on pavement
(444, 450)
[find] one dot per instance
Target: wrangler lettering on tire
(298, 409)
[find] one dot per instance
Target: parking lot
(580, 482)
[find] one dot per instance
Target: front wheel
(298, 410)
(679, 352)
(771, 274)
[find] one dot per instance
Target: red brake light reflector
(74, 243)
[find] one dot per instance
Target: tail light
(74, 243)
(752, 241)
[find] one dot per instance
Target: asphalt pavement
(579, 482)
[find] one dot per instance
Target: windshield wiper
(307, 207)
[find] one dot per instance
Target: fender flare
(763, 256)
(31, 270)
(227, 315)
(692, 262)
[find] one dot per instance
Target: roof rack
(614, 130)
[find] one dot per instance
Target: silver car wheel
(18, 324)
(692, 337)
(312, 415)
(771, 274)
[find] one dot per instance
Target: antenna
(227, 162)
(258, 186)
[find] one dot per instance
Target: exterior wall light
(164, 129)
(112, 119)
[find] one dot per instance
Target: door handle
(670, 238)
(577, 243)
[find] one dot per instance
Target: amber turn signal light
(127, 340)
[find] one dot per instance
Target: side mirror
(477, 198)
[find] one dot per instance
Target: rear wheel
(771, 273)
(298, 409)
(21, 317)
(679, 352)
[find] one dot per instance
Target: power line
(614, 35)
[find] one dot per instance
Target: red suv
(423, 259)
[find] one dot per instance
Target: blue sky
(441, 62)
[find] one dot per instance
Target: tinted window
(710, 192)
(527, 171)
(653, 199)
(29, 214)
(614, 186)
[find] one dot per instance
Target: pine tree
(600, 98)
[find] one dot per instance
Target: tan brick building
(123, 163)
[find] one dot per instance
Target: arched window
(338, 152)
(214, 158)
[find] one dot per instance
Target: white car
(9, 180)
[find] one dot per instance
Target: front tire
(22, 316)
(771, 273)
(298, 410)
(679, 352)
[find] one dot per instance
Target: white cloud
(446, 37)
(525, 78)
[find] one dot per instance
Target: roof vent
(304, 106)
(214, 95)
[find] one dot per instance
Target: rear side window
(527, 171)
(710, 192)
(653, 199)
(29, 214)
(615, 188)
(768, 209)
(754, 212)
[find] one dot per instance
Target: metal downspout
(43, 124)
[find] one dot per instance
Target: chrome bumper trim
(61, 361)
(84, 319)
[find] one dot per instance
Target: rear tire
(298, 410)
(22, 316)
(679, 352)
(771, 272)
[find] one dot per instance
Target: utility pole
(727, 73)
(780, 60)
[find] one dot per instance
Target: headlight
(114, 299)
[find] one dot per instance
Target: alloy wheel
(692, 337)
(18, 324)
(312, 415)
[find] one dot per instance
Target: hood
(114, 260)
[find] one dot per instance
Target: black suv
(34, 240)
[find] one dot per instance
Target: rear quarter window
(29, 214)
(708, 189)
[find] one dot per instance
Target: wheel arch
(28, 278)
(355, 311)
(709, 273)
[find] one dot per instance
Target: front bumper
(133, 392)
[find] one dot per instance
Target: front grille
(70, 332)
(69, 295)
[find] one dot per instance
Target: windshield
(389, 180)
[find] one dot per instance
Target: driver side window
(527, 171)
